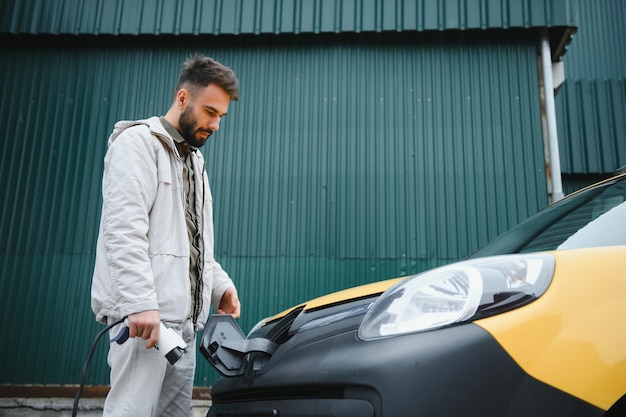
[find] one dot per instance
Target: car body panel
(462, 371)
(567, 337)
(339, 297)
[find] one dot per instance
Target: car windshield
(593, 217)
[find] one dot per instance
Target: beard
(187, 123)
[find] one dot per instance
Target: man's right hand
(145, 325)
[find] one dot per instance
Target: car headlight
(458, 293)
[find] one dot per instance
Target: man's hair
(200, 71)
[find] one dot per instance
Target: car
(531, 324)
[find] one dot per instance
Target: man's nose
(214, 123)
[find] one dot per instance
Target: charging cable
(86, 365)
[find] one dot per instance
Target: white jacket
(142, 255)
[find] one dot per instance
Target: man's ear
(182, 97)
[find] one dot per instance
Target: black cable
(86, 365)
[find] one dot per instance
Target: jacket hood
(153, 123)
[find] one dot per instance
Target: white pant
(144, 384)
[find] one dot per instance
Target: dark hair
(200, 71)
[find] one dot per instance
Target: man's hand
(229, 304)
(145, 325)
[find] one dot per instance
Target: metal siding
(599, 50)
(592, 126)
(345, 162)
(591, 105)
(353, 172)
(221, 17)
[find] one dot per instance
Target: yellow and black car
(532, 324)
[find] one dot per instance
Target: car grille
(279, 394)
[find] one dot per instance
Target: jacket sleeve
(221, 282)
(128, 189)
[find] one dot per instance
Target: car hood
(339, 297)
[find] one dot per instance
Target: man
(155, 254)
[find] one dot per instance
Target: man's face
(202, 115)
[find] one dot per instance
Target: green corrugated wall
(237, 17)
(591, 104)
(345, 162)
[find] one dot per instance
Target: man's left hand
(229, 304)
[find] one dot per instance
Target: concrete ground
(63, 407)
